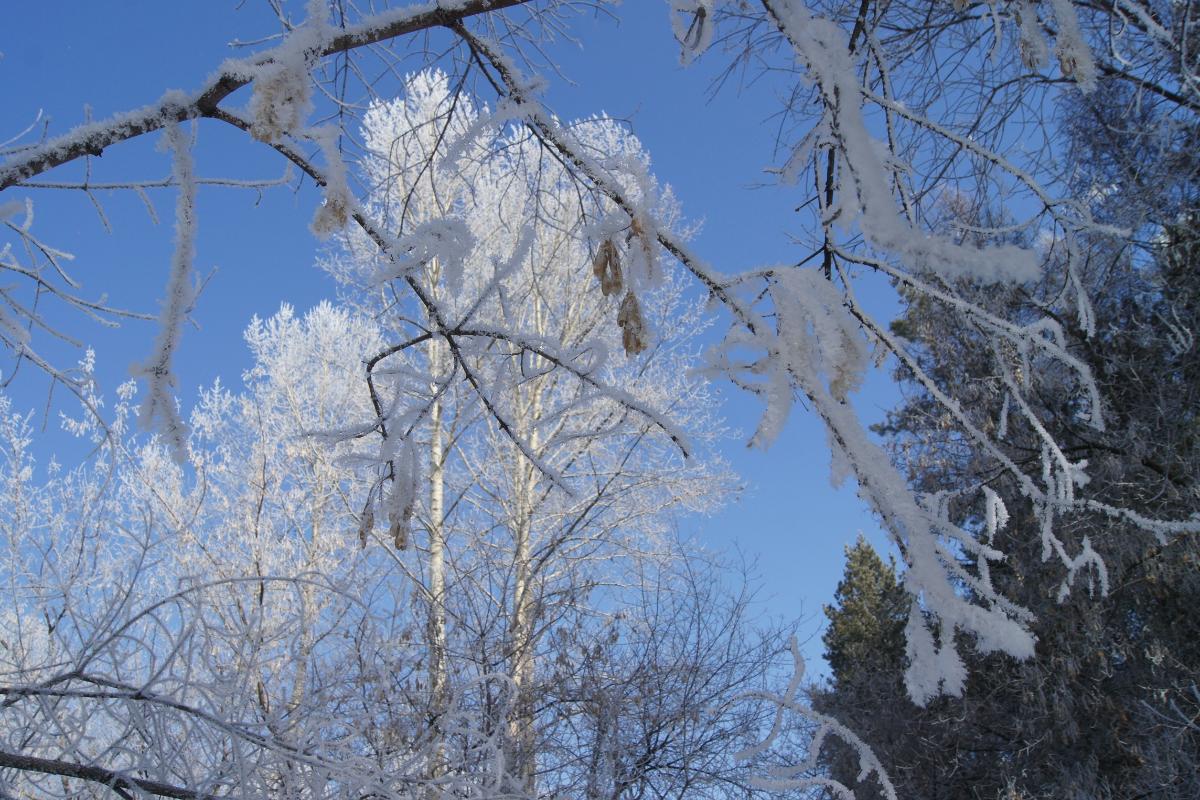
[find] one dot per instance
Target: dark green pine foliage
(865, 636)
(928, 753)
(864, 645)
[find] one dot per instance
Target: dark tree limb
(117, 781)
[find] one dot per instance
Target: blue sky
(713, 150)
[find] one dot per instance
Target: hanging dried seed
(638, 231)
(1067, 63)
(633, 328)
(600, 262)
(399, 533)
(607, 267)
(403, 499)
(365, 524)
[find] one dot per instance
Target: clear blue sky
(57, 57)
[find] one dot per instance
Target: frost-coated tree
(922, 145)
(223, 629)
(181, 633)
(531, 530)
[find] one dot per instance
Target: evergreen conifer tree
(865, 637)
(864, 645)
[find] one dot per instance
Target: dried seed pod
(1067, 63)
(330, 217)
(600, 262)
(633, 327)
(607, 267)
(638, 231)
(399, 533)
(365, 524)
(399, 516)
(402, 500)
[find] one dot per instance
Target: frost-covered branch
(175, 107)
(528, 109)
(807, 774)
(158, 409)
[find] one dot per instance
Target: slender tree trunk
(521, 721)
(437, 667)
(290, 778)
(308, 593)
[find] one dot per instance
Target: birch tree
(527, 555)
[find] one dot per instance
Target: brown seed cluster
(399, 532)
(607, 267)
(633, 327)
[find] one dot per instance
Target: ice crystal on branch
(159, 411)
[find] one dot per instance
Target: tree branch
(177, 106)
(107, 777)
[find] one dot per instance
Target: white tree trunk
(521, 721)
(436, 634)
